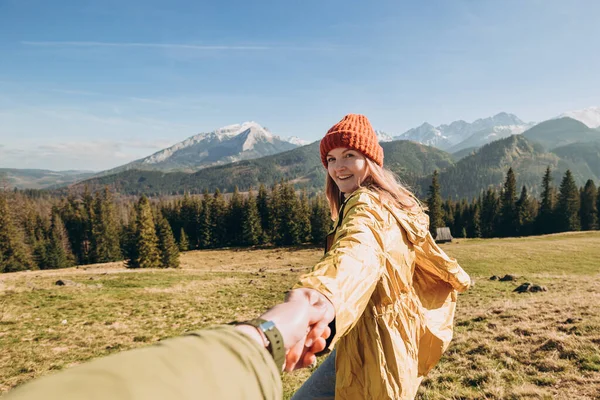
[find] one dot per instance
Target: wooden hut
(443, 235)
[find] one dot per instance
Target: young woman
(392, 289)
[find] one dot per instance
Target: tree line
(40, 232)
(506, 212)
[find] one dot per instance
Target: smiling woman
(392, 289)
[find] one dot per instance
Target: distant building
(443, 235)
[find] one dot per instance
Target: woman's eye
(330, 160)
(349, 155)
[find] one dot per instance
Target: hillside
(487, 167)
(40, 178)
(582, 158)
(301, 166)
(560, 132)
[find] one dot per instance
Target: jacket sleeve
(348, 274)
(217, 363)
(434, 260)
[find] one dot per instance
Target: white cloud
(146, 45)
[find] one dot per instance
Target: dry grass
(507, 345)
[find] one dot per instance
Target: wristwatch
(275, 345)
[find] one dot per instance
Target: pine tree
(205, 228)
(544, 221)
(589, 212)
(105, 229)
(567, 209)
(86, 218)
(128, 240)
(288, 217)
(234, 218)
(169, 253)
(13, 253)
(218, 214)
(304, 218)
(473, 221)
(262, 204)
(58, 252)
(251, 228)
(526, 213)
(598, 206)
(490, 207)
(508, 218)
(188, 218)
(184, 245)
(275, 208)
(146, 242)
(434, 205)
(320, 220)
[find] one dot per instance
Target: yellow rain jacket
(394, 293)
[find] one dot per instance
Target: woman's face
(347, 168)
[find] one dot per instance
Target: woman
(393, 290)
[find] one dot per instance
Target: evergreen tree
(288, 217)
(448, 212)
(490, 207)
(473, 221)
(434, 205)
(598, 206)
(275, 210)
(508, 218)
(188, 218)
(320, 220)
(589, 212)
(105, 229)
(184, 245)
(58, 252)
(544, 221)
(251, 228)
(169, 253)
(218, 214)
(567, 209)
(304, 218)
(234, 218)
(526, 213)
(146, 242)
(13, 253)
(262, 204)
(86, 218)
(205, 228)
(129, 239)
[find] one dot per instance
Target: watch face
(267, 326)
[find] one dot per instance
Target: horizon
(88, 86)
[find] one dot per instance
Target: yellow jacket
(394, 293)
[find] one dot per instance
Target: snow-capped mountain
(221, 146)
(447, 136)
(297, 141)
(383, 136)
(589, 116)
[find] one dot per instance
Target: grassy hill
(506, 345)
(487, 167)
(560, 132)
(41, 178)
(301, 166)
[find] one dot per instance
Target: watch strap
(276, 346)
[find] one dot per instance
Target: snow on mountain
(297, 141)
(383, 136)
(447, 136)
(425, 134)
(224, 145)
(589, 116)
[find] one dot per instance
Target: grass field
(507, 345)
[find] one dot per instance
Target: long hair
(382, 181)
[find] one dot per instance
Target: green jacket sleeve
(215, 363)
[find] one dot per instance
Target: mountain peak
(589, 116)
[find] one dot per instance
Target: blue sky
(95, 84)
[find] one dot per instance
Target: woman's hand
(302, 354)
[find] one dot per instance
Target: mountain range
(247, 154)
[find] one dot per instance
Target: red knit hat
(353, 131)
